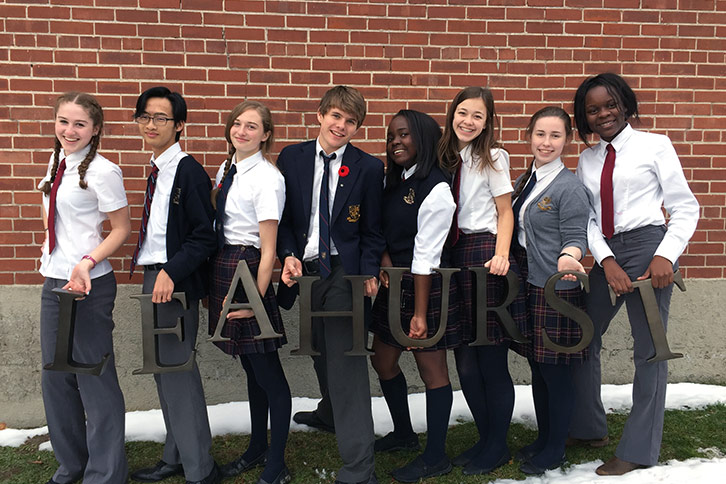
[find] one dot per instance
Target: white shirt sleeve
(499, 179)
(434, 222)
(678, 201)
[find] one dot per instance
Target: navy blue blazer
(355, 223)
(190, 237)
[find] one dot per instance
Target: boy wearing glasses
(175, 240)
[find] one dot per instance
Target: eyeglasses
(158, 119)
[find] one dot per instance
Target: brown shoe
(617, 467)
(594, 443)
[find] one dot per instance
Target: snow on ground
(232, 418)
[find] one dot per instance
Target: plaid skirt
(241, 331)
(453, 336)
(540, 317)
(474, 250)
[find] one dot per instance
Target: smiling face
(73, 127)
(604, 115)
(337, 127)
(548, 139)
(160, 138)
(400, 146)
(469, 120)
(247, 134)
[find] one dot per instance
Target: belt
(154, 267)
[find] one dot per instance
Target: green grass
(313, 457)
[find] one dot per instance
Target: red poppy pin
(343, 171)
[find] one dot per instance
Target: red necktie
(453, 237)
(606, 193)
(51, 206)
(150, 187)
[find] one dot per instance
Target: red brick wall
(415, 54)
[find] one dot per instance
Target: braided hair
(267, 127)
(548, 112)
(95, 113)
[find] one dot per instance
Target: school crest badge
(545, 204)
(353, 213)
(411, 197)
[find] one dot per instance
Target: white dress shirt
(477, 208)
(647, 176)
(433, 223)
(153, 250)
(545, 175)
(80, 213)
(311, 247)
(257, 193)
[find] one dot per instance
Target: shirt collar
(619, 140)
(466, 154)
(165, 158)
(410, 172)
(74, 158)
(338, 153)
(547, 169)
(250, 162)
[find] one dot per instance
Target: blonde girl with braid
(82, 190)
(249, 198)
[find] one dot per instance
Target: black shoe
(526, 453)
(465, 457)
(534, 470)
(311, 419)
(51, 481)
(282, 478)
(417, 469)
(473, 468)
(390, 442)
(159, 472)
(240, 465)
(214, 477)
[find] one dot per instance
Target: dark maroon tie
(51, 206)
(150, 187)
(606, 193)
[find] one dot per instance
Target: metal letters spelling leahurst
(244, 275)
(652, 314)
(63, 360)
(150, 330)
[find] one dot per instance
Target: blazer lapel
(346, 183)
(305, 171)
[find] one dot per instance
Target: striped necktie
(520, 201)
(324, 218)
(221, 202)
(150, 187)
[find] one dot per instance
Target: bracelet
(91, 259)
(562, 254)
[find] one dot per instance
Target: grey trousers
(643, 432)
(347, 378)
(181, 396)
(85, 413)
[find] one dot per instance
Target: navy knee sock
(499, 389)
(541, 409)
(472, 386)
(271, 378)
(395, 391)
(560, 394)
(438, 411)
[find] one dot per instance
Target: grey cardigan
(556, 219)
